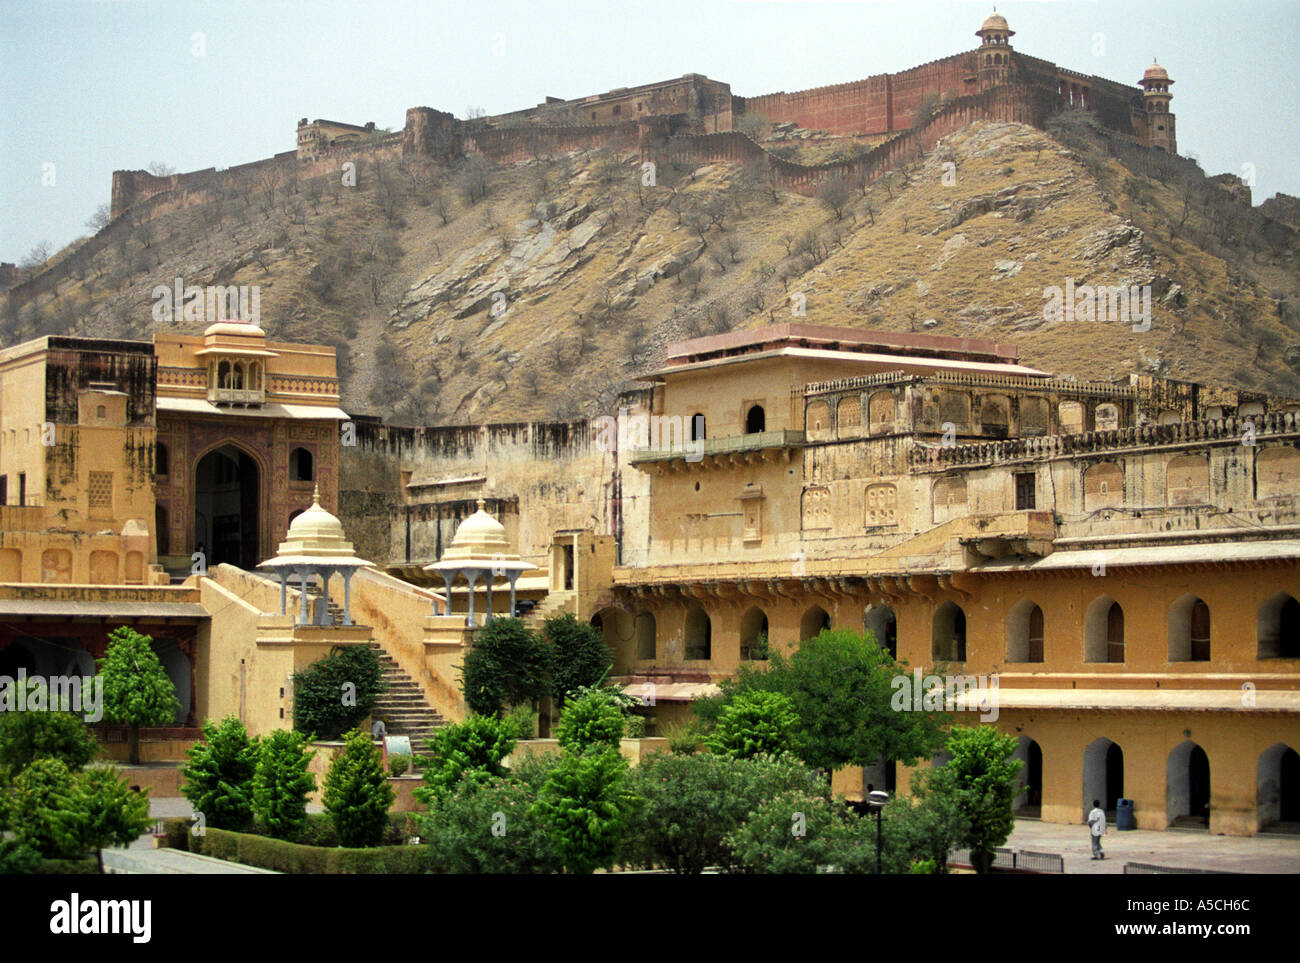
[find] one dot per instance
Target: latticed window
(99, 493)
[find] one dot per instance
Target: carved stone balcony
(236, 396)
(721, 452)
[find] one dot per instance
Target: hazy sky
(90, 86)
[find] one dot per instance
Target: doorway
(227, 495)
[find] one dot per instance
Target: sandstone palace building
(1122, 557)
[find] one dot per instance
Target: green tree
(753, 723)
(693, 802)
(470, 751)
(26, 736)
(586, 806)
(218, 779)
(578, 655)
(488, 827)
(137, 690)
(594, 720)
(841, 685)
(282, 783)
(506, 665)
(357, 794)
(980, 779)
(337, 693)
(41, 802)
(793, 831)
(105, 811)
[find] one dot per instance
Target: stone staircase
(402, 707)
(555, 603)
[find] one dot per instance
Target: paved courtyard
(1193, 849)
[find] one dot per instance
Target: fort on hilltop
(698, 117)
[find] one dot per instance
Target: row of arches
(1188, 640)
(1187, 782)
(697, 638)
(237, 375)
(1027, 631)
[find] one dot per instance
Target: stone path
(1192, 849)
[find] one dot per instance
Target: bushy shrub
(338, 692)
(470, 751)
(591, 721)
(26, 736)
(489, 827)
(105, 811)
(693, 802)
(790, 832)
(40, 804)
(585, 807)
(520, 721)
(397, 765)
(578, 655)
(282, 783)
(218, 779)
(17, 857)
(980, 782)
(755, 723)
(506, 665)
(634, 727)
(357, 795)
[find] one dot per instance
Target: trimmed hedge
(89, 866)
(302, 858)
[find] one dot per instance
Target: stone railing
(729, 445)
(1055, 385)
(1230, 430)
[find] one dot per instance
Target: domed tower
(995, 51)
(1156, 97)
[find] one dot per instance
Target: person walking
(1097, 824)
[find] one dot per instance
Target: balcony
(236, 396)
(719, 452)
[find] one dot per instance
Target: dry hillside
(540, 291)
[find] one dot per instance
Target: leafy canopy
(578, 655)
(467, 752)
(282, 783)
(980, 781)
(336, 693)
(594, 720)
(357, 794)
(586, 806)
(26, 736)
(218, 779)
(137, 689)
(755, 723)
(840, 685)
(506, 665)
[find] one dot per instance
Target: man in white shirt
(1097, 823)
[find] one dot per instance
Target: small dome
(245, 328)
(1156, 72)
(480, 535)
(995, 23)
(315, 537)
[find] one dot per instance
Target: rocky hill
(471, 293)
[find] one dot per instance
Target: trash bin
(1124, 818)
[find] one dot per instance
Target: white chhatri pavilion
(316, 545)
(480, 549)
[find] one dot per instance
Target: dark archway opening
(755, 420)
(227, 494)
